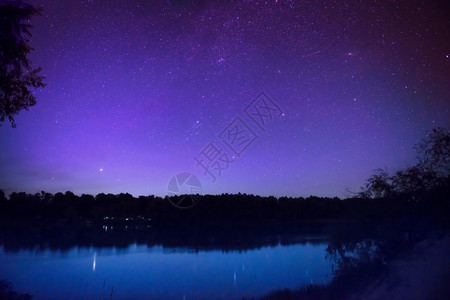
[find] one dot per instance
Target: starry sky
(139, 91)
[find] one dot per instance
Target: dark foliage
(7, 292)
(124, 208)
(429, 176)
(17, 75)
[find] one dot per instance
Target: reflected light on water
(95, 260)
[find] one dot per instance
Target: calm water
(149, 272)
(196, 262)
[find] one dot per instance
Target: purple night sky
(137, 89)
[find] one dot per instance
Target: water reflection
(55, 262)
(142, 272)
(95, 259)
(238, 236)
(363, 261)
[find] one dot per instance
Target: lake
(131, 262)
(141, 272)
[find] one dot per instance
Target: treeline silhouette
(124, 208)
(421, 190)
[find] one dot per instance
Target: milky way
(138, 91)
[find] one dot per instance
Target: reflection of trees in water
(360, 254)
(370, 247)
(346, 239)
(348, 256)
(355, 264)
(230, 237)
(7, 292)
(358, 250)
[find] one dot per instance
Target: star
(180, 73)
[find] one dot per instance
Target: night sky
(139, 91)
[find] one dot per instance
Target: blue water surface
(142, 272)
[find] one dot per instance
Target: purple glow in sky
(137, 89)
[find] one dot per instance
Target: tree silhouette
(17, 75)
(431, 172)
(378, 185)
(434, 152)
(2, 197)
(411, 183)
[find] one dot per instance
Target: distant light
(101, 169)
